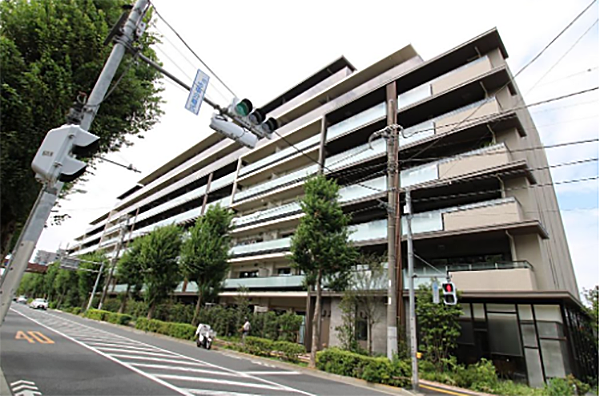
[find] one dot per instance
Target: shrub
(558, 387)
(258, 346)
(289, 326)
(581, 388)
(111, 317)
(96, 314)
(289, 350)
(372, 369)
(136, 308)
(111, 304)
(182, 331)
(118, 318)
(76, 310)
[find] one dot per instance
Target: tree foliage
(129, 271)
(50, 52)
(205, 253)
(158, 256)
(320, 246)
(87, 279)
(438, 326)
(591, 297)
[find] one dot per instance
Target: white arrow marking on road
(24, 386)
(22, 382)
(28, 393)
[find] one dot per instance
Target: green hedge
(182, 331)
(265, 347)
(107, 316)
(371, 369)
(289, 350)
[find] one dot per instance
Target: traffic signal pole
(411, 291)
(43, 206)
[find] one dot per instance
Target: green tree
(32, 285)
(439, 328)
(129, 271)
(50, 52)
(87, 276)
(49, 278)
(205, 253)
(591, 297)
(159, 261)
(320, 246)
(65, 287)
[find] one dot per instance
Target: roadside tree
(205, 253)
(321, 247)
(159, 257)
(51, 53)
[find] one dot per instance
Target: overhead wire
(190, 49)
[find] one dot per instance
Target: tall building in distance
(485, 208)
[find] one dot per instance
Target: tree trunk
(151, 310)
(316, 336)
(197, 310)
(369, 336)
(124, 302)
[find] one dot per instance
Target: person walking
(245, 330)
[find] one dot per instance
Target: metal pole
(411, 295)
(392, 189)
(89, 304)
(114, 260)
(42, 209)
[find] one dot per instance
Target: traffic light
(245, 114)
(232, 131)
(449, 293)
(53, 160)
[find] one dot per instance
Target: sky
(261, 49)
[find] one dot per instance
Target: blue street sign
(197, 92)
(435, 288)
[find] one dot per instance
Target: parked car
(22, 300)
(39, 303)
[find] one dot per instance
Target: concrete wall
(473, 163)
(529, 248)
(518, 279)
(477, 217)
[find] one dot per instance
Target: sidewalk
(4, 389)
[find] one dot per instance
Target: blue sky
(261, 49)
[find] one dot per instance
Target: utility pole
(392, 208)
(49, 194)
(411, 296)
(113, 262)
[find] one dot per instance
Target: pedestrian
(245, 330)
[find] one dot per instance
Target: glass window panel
(529, 337)
(500, 307)
(550, 329)
(466, 311)
(534, 368)
(554, 359)
(418, 175)
(550, 313)
(478, 312)
(504, 336)
(525, 312)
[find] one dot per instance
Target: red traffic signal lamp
(449, 293)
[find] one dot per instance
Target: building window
(284, 271)
(361, 329)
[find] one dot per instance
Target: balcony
(258, 247)
(501, 276)
(273, 282)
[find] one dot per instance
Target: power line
(190, 49)
(588, 70)
(562, 57)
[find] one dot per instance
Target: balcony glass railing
(265, 282)
(285, 179)
(414, 95)
(362, 190)
(275, 244)
(356, 120)
(368, 231)
(266, 214)
(356, 154)
(287, 152)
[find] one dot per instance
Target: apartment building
(485, 209)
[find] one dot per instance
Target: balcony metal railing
(287, 281)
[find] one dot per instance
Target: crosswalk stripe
(100, 345)
(203, 392)
(187, 369)
(221, 382)
(143, 353)
(159, 360)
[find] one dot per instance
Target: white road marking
(222, 382)
(101, 345)
(270, 372)
(219, 393)
(190, 361)
(188, 369)
(143, 353)
(140, 372)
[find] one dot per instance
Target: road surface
(52, 353)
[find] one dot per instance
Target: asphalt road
(63, 354)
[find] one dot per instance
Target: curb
(4, 389)
(451, 389)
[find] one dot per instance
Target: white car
(39, 303)
(22, 300)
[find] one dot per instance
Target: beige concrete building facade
(485, 208)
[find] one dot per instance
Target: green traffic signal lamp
(243, 107)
